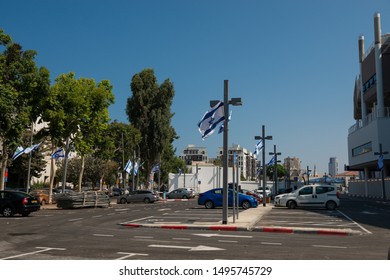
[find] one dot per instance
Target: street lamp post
(381, 167)
(226, 102)
(275, 169)
(263, 137)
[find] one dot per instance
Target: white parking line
(97, 216)
(128, 255)
(271, 243)
(228, 241)
(369, 232)
(77, 219)
(328, 246)
(103, 235)
(43, 249)
(144, 237)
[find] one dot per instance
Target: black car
(16, 202)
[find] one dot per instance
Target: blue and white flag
(57, 154)
(272, 161)
(18, 152)
(380, 162)
(128, 167)
(32, 148)
(211, 119)
(179, 171)
(221, 128)
(156, 168)
(136, 166)
(258, 147)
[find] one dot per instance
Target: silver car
(180, 194)
(144, 196)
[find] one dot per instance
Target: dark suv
(15, 202)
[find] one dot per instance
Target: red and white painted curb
(241, 228)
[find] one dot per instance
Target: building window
(365, 148)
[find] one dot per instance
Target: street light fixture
(235, 102)
(263, 137)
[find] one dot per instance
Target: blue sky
(293, 63)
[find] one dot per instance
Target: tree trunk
(81, 172)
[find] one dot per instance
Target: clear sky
(293, 63)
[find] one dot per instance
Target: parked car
(258, 196)
(310, 196)
(145, 196)
(214, 198)
(180, 193)
(42, 196)
(116, 192)
(268, 191)
(16, 202)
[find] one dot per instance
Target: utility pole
(275, 154)
(263, 137)
(381, 168)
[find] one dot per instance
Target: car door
(322, 194)
(305, 196)
(217, 197)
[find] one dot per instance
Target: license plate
(34, 201)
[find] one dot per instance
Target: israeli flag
(57, 154)
(221, 128)
(272, 161)
(136, 168)
(128, 167)
(258, 147)
(156, 168)
(32, 148)
(380, 162)
(211, 119)
(18, 152)
(179, 171)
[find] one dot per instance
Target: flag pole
(29, 159)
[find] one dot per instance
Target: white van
(310, 196)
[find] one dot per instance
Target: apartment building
(192, 155)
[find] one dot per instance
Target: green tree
(22, 87)
(97, 98)
(149, 110)
(126, 140)
(281, 171)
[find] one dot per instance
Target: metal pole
(29, 160)
(65, 164)
(234, 188)
(264, 166)
(225, 153)
(132, 183)
(238, 189)
(276, 170)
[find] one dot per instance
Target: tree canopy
(149, 110)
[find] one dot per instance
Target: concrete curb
(247, 228)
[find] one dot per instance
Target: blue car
(213, 198)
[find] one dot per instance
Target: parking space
(309, 218)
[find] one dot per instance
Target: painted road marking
(103, 235)
(42, 249)
(328, 246)
(129, 255)
(221, 235)
(197, 248)
(366, 230)
(77, 219)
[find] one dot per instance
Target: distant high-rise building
(193, 155)
(333, 167)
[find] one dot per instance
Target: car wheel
(185, 197)
(246, 204)
(25, 214)
(7, 212)
(291, 204)
(123, 200)
(209, 204)
(146, 200)
(331, 205)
